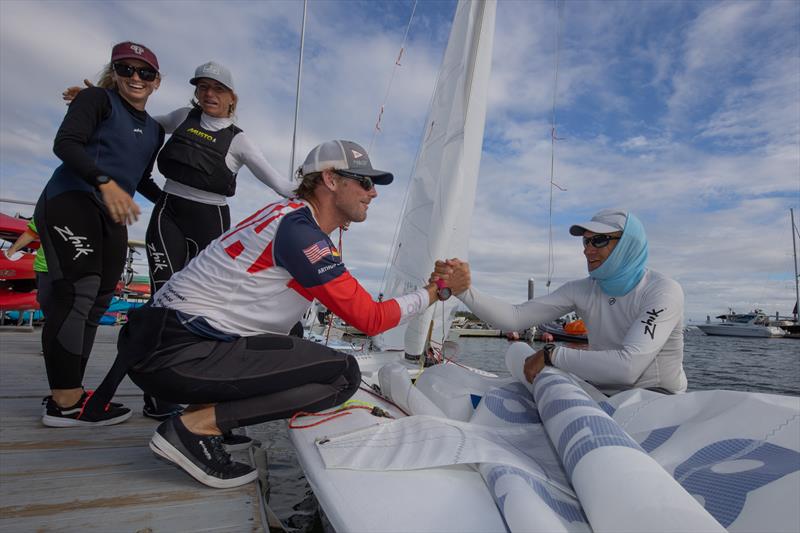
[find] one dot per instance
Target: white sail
(436, 221)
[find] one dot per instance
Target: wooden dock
(99, 479)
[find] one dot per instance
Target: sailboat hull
(555, 456)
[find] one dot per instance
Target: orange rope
(330, 415)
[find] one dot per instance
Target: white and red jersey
(262, 275)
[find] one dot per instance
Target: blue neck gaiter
(625, 267)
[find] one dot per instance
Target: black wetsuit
(181, 228)
(101, 134)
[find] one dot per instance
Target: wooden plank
(97, 479)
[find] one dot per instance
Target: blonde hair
(105, 79)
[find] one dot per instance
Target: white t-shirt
(635, 340)
(242, 152)
(262, 275)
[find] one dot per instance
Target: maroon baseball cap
(129, 50)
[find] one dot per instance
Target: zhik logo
(650, 323)
(158, 258)
(82, 247)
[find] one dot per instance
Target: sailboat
(463, 450)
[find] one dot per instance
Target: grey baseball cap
(343, 155)
(213, 71)
(605, 221)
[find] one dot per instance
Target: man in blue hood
(634, 314)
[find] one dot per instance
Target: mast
(796, 277)
(297, 88)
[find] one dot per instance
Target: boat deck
(98, 479)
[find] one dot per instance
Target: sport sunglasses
(365, 181)
(126, 71)
(600, 240)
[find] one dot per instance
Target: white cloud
(710, 164)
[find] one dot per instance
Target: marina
(149, 493)
(446, 426)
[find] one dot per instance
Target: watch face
(100, 180)
(444, 293)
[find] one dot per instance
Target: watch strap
(548, 350)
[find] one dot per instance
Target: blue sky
(686, 113)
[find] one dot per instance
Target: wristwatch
(547, 350)
(443, 292)
(102, 179)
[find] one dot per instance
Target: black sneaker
(234, 442)
(112, 404)
(202, 457)
(159, 409)
(78, 415)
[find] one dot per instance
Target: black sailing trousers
(250, 380)
(179, 229)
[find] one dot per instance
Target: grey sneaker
(202, 457)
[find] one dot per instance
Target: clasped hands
(454, 273)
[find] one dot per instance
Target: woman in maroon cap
(200, 162)
(107, 143)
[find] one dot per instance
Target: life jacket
(121, 146)
(195, 156)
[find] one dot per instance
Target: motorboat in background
(574, 331)
(753, 324)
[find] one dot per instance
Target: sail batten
(437, 217)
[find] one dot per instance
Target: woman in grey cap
(200, 162)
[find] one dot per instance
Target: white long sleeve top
(635, 340)
(242, 152)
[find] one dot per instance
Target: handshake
(451, 276)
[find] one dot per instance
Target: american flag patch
(317, 251)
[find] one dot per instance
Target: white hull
(420, 500)
(737, 330)
(651, 459)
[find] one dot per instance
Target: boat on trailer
(449, 448)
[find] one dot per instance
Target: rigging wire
(297, 88)
(395, 246)
(553, 139)
(397, 64)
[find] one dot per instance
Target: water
(733, 363)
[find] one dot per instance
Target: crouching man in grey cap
(634, 315)
(215, 335)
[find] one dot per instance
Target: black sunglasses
(365, 181)
(600, 240)
(126, 71)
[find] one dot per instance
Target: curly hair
(308, 183)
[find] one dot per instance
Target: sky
(684, 113)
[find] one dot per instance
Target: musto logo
(203, 135)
